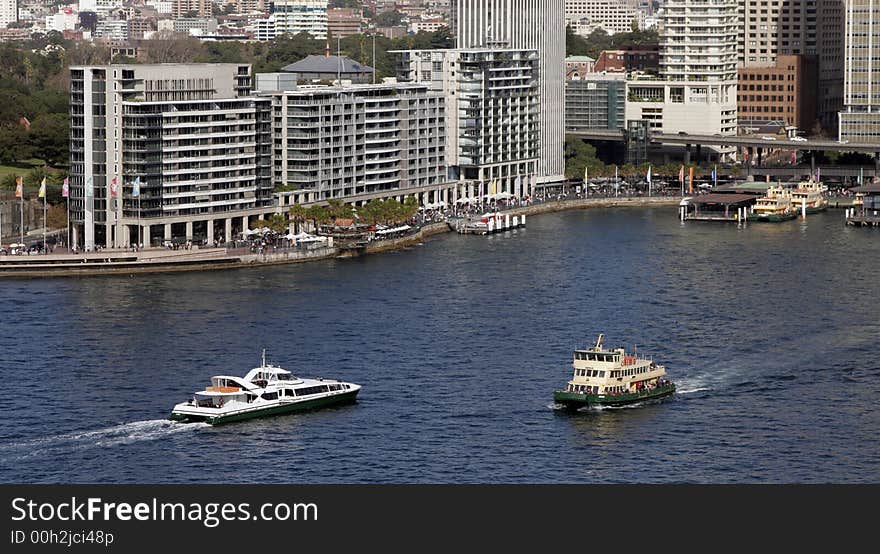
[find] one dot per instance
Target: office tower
(860, 118)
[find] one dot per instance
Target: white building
(8, 12)
(613, 16)
(525, 25)
(493, 107)
(298, 16)
(65, 19)
(696, 92)
(355, 142)
(190, 135)
(264, 29)
(113, 29)
(99, 5)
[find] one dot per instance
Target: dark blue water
(769, 331)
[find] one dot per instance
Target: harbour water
(770, 332)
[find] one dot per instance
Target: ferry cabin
(268, 384)
(612, 372)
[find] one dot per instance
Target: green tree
(578, 155)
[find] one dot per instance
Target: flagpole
(45, 246)
(21, 227)
(68, 223)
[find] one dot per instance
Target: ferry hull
(334, 400)
(816, 209)
(574, 400)
(774, 218)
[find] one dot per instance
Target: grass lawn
(22, 169)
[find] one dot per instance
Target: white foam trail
(125, 433)
(690, 391)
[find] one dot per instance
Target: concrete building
(595, 101)
(493, 105)
(830, 51)
(8, 12)
(525, 25)
(696, 91)
(783, 91)
(357, 142)
(860, 118)
(300, 16)
(771, 28)
(112, 29)
(344, 22)
(264, 29)
(190, 135)
(612, 16)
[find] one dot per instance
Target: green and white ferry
(266, 390)
(612, 378)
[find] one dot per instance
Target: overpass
(746, 141)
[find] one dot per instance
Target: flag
(818, 170)
(793, 157)
(681, 174)
(649, 176)
(42, 193)
(136, 188)
(19, 191)
(768, 177)
(65, 188)
(113, 187)
(691, 184)
(586, 174)
(715, 175)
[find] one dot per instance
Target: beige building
(344, 22)
(770, 28)
(183, 8)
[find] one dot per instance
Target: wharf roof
(747, 187)
(869, 189)
(327, 64)
(723, 198)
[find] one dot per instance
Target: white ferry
(812, 194)
(775, 206)
(613, 378)
(264, 391)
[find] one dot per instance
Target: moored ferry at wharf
(264, 391)
(613, 378)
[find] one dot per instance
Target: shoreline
(163, 261)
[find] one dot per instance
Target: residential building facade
(8, 12)
(356, 142)
(166, 150)
(493, 106)
(301, 16)
(612, 16)
(525, 25)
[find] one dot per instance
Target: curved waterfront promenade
(160, 260)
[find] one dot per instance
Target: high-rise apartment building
(696, 91)
(344, 22)
(300, 16)
(492, 106)
(191, 8)
(860, 118)
(525, 25)
(154, 147)
(355, 141)
(8, 12)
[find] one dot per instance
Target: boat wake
(126, 433)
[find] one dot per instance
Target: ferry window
(270, 395)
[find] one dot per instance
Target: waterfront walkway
(155, 260)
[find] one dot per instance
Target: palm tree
(298, 215)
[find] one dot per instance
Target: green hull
(578, 400)
(775, 218)
(339, 399)
(816, 210)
